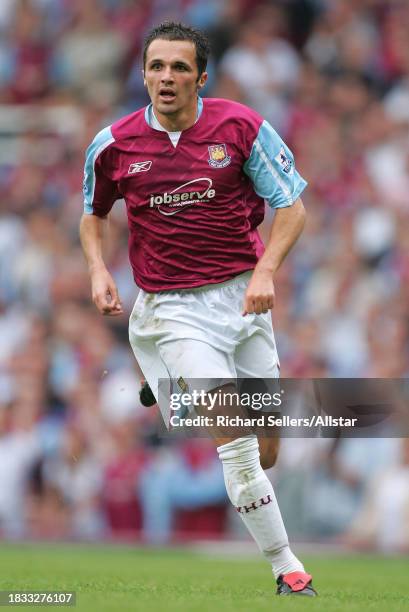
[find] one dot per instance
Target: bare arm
(104, 291)
(287, 225)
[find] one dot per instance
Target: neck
(178, 121)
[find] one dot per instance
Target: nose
(167, 75)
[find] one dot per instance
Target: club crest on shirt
(284, 161)
(218, 157)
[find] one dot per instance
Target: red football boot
(295, 583)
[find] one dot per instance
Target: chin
(166, 110)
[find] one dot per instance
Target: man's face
(171, 76)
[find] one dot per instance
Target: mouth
(167, 95)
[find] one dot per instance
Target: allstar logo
(140, 167)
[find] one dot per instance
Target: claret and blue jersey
(193, 209)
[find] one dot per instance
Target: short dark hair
(171, 30)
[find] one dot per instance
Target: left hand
(259, 297)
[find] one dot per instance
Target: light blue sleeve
(271, 169)
(101, 141)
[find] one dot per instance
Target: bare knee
(268, 451)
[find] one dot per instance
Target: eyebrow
(174, 63)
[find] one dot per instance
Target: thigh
(256, 356)
(178, 338)
(194, 359)
(256, 359)
(195, 365)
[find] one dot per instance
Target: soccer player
(194, 174)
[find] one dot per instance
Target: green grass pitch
(121, 579)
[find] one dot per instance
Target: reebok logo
(140, 167)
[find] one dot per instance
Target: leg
(248, 487)
(252, 494)
(256, 358)
(269, 448)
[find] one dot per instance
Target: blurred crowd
(79, 456)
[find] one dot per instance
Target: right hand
(105, 293)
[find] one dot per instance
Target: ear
(202, 80)
(143, 76)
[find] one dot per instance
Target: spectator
(76, 477)
(383, 522)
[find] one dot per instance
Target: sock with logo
(252, 494)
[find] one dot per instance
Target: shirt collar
(149, 111)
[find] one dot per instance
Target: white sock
(252, 494)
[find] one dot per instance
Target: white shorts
(201, 334)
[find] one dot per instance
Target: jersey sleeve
(100, 191)
(271, 169)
